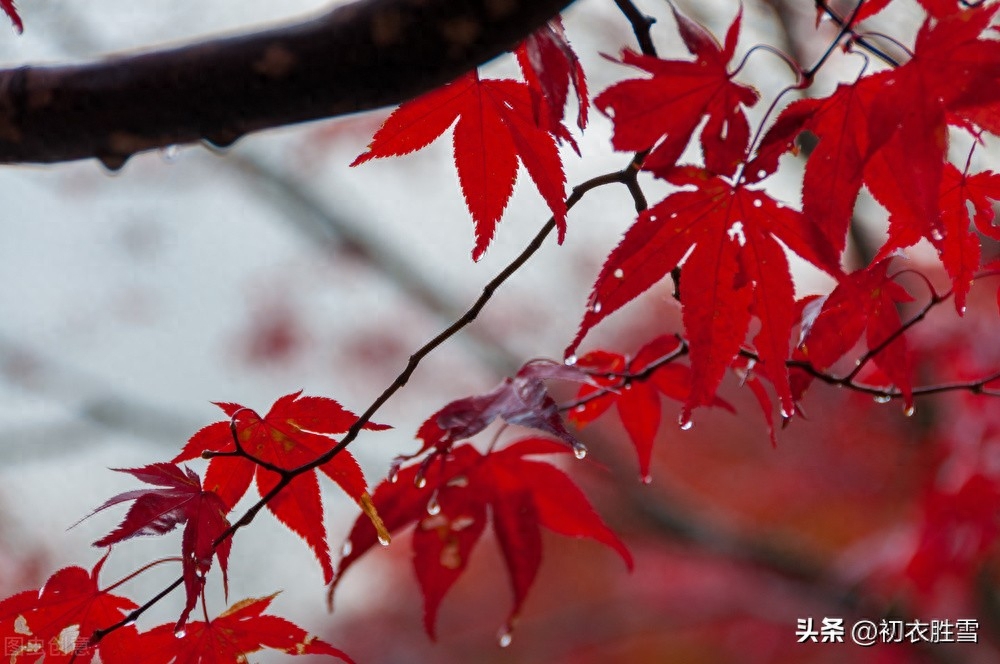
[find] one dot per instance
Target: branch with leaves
(721, 233)
(356, 57)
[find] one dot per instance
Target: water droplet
(223, 139)
(459, 481)
(596, 308)
(504, 637)
(383, 540)
(882, 398)
(580, 408)
(936, 234)
(761, 173)
(579, 450)
(113, 162)
(180, 633)
(170, 153)
(961, 310)
(346, 549)
(909, 411)
(619, 273)
(757, 202)
(685, 422)
(433, 506)
(646, 479)
(393, 475)
(629, 386)
(570, 361)
(420, 481)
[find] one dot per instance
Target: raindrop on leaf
(433, 506)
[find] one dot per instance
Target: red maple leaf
(864, 302)
(495, 127)
(935, 8)
(889, 131)
(450, 510)
(638, 402)
(663, 112)
(230, 637)
(549, 66)
(733, 265)
(57, 621)
(158, 511)
(522, 400)
(848, 133)
(11, 11)
(293, 433)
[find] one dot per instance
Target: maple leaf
(11, 11)
(158, 511)
(864, 302)
(638, 402)
(834, 172)
(450, 512)
(522, 400)
(231, 636)
(888, 131)
(935, 8)
(293, 433)
(495, 127)
(728, 238)
(663, 112)
(57, 621)
(549, 65)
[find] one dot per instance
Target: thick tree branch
(356, 57)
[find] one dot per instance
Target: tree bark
(356, 57)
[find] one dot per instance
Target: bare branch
(356, 57)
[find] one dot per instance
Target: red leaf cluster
(158, 511)
(295, 432)
(450, 502)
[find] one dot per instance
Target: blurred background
(131, 300)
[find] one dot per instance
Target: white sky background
(128, 300)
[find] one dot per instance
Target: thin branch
(641, 25)
(355, 57)
(856, 38)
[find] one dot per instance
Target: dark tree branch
(356, 57)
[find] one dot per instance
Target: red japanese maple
(158, 511)
(237, 632)
(728, 240)
(495, 126)
(294, 433)
(450, 502)
(57, 621)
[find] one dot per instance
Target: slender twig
(846, 27)
(640, 26)
(857, 39)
